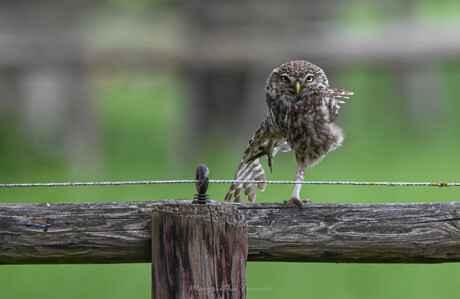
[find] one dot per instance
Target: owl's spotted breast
(306, 126)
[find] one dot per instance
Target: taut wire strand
(435, 184)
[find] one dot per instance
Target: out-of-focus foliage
(142, 119)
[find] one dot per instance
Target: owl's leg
(265, 148)
(299, 176)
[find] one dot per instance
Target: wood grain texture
(198, 251)
(355, 233)
(120, 232)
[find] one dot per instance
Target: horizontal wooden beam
(120, 232)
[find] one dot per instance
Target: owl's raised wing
(335, 100)
(261, 144)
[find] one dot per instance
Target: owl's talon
(269, 157)
(297, 201)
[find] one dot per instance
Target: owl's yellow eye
(309, 78)
(285, 78)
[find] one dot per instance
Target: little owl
(301, 111)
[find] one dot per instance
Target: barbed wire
(67, 184)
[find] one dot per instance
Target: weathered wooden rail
(120, 232)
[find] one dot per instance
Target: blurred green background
(147, 90)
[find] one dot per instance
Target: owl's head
(296, 80)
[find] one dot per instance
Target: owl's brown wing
(261, 144)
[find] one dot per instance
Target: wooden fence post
(198, 251)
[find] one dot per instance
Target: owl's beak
(297, 87)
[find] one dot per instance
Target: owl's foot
(298, 202)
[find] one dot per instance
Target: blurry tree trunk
(42, 68)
